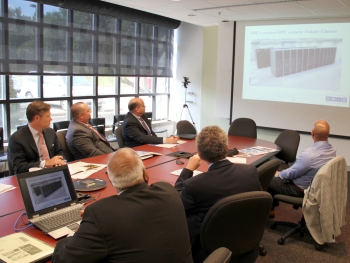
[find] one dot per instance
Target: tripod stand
(185, 105)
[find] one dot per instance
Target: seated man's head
(320, 131)
(212, 144)
(137, 106)
(81, 112)
(125, 169)
(39, 115)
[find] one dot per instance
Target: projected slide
(302, 63)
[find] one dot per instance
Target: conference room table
(159, 168)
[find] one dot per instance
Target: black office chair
(244, 127)
(117, 121)
(149, 116)
(266, 172)
(185, 127)
(61, 137)
(220, 255)
(288, 141)
(20, 126)
(61, 125)
(236, 222)
(335, 169)
(99, 124)
(118, 134)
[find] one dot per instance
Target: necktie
(44, 152)
(145, 126)
(97, 133)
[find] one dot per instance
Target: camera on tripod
(186, 82)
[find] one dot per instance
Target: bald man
(137, 129)
(139, 224)
(82, 139)
(294, 180)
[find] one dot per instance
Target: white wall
(188, 62)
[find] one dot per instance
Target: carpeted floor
(302, 249)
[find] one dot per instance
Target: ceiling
(211, 12)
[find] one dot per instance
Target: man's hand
(55, 161)
(172, 139)
(81, 213)
(277, 173)
(194, 162)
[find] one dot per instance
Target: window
(63, 56)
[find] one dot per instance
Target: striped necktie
(145, 126)
(97, 133)
(44, 152)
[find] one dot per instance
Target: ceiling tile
(333, 12)
(227, 2)
(196, 5)
(298, 13)
(321, 4)
(283, 7)
(248, 9)
(218, 12)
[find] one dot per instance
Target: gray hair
(125, 169)
(212, 144)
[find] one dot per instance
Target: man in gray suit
(82, 139)
(35, 145)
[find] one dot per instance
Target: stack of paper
(144, 155)
(6, 187)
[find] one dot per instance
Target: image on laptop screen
(48, 190)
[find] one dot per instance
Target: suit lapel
(29, 137)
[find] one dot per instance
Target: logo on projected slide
(336, 99)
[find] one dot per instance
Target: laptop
(50, 200)
(186, 136)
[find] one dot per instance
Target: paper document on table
(236, 159)
(257, 150)
(144, 155)
(178, 172)
(6, 187)
(81, 170)
(166, 145)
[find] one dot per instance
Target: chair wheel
(262, 251)
(281, 241)
(273, 226)
(318, 247)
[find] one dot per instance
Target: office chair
(117, 121)
(61, 137)
(220, 255)
(61, 125)
(236, 222)
(185, 127)
(118, 134)
(329, 185)
(149, 116)
(288, 141)
(266, 172)
(99, 124)
(20, 126)
(244, 127)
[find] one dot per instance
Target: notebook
(50, 200)
(187, 136)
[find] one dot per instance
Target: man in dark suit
(137, 129)
(26, 149)
(140, 224)
(82, 139)
(223, 179)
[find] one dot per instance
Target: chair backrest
(185, 127)
(117, 121)
(267, 171)
(288, 141)
(99, 124)
(220, 255)
(118, 134)
(236, 222)
(11, 171)
(61, 137)
(149, 115)
(60, 125)
(20, 126)
(244, 127)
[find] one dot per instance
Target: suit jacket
(324, 203)
(199, 193)
(23, 152)
(134, 134)
(143, 224)
(82, 142)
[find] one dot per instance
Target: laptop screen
(46, 190)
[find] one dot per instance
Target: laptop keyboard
(60, 219)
